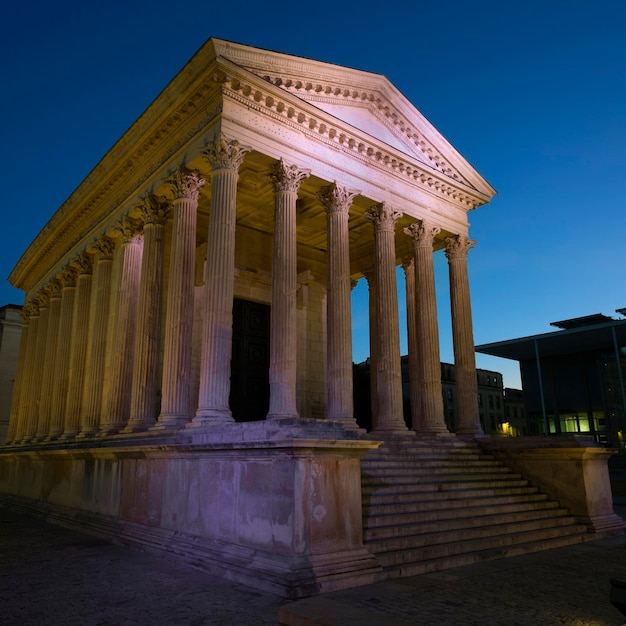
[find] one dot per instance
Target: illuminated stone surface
(196, 397)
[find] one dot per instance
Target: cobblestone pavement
(50, 576)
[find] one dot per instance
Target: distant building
(491, 399)
(10, 335)
(573, 379)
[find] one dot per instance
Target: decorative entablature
(322, 126)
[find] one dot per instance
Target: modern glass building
(573, 379)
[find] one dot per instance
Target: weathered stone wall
(253, 503)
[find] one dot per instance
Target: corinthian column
(48, 362)
(370, 277)
(62, 365)
(34, 389)
(390, 419)
(117, 394)
(27, 390)
(457, 248)
(430, 420)
(96, 347)
(175, 409)
(408, 265)
(143, 404)
(283, 339)
(337, 201)
(20, 383)
(225, 158)
(78, 346)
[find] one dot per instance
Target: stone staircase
(433, 505)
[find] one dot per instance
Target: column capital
(68, 276)
(27, 311)
(225, 154)
(128, 228)
(423, 233)
(104, 247)
(458, 246)
(54, 288)
(154, 209)
(83, 263)
(186, 184)
(337, 199)
(383, 216)
(288, 177)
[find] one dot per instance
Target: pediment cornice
(264, 96)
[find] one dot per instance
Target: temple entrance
(249, 379)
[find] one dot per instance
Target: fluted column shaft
(175, 409)
(370, 277)
(283, 337)
(145, 382)
(116, 400)
(78, 347)
(225, 158)
(408, 266)
(20, 382)
(62, 365)
(390, 418)
(34, 390)
(97, 342)
(431, 418)
(457, 248)
(337, 201)
(48, 361)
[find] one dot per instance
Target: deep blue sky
(532, 93)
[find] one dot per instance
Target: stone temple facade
(185, 374)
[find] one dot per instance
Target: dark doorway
(249, 379)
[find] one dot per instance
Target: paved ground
(52, 576)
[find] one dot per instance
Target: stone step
(382, 516)
(437, 470)
(485, 522)
(435, 564)
(467, 539)
(406, 496)
(453, 484)
(419, 462)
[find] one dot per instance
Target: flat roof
(589, 338)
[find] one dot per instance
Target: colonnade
(89, 363)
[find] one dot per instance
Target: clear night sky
(532, 93)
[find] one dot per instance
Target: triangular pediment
(365, 101)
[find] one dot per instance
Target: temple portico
(185, 375)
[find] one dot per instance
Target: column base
(69, 434)
(208, 417)
(138, 426)
(91, 432)
(433, 432)
(170, 422)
